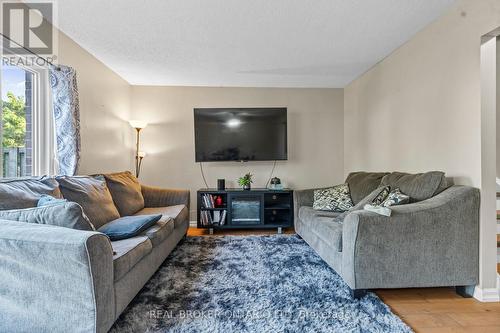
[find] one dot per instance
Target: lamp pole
(138, 126)
(137, 159)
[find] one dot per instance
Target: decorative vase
(246, 187)
(218, 201)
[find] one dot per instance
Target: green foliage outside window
(14, 121)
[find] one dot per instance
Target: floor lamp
(139, 155)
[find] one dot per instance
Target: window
(26, 124)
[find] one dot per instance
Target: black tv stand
(244, 209)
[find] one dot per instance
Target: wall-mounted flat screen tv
(240, 134)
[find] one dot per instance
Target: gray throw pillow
(61, 214)
(363, 183)
(420, 186)
(336, 198)
(25, 192)
(126, 192)
(93, 195)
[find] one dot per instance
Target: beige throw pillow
(126, 192)
(93, 195)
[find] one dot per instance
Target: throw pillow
(377, 201)
(420, 186)
(336, 198)
(25, 192)
(376, 193)
(46, 200)
(61, 214)
(395, 197)
(126, 192)
(93, 195)
(128, 226)
(363, 183)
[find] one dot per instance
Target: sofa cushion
(128, 226)
(420, 186)
(126, 192)
(17, 193)
(336, 198)
(93, 195)
(160, 231)
(129, 252)
(307, 213)
(179, 213)
(61, 214)
(328, 230)
(363, 183)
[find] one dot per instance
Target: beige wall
(315, 135)
(104, 111)
(498, 110)
(420, 108)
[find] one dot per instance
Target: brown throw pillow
(93, 195)
(126, 192)
(25, 192)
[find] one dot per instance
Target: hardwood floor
(428, 310)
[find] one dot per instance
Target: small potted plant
(245, 181)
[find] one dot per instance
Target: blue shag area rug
(251, 284)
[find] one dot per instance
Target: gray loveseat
(57, 279)
(431, 242)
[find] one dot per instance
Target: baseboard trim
(488, 294)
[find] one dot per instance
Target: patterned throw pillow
(396, 197)
(379, 199)
(336, 198)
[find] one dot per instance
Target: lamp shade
(138, 124)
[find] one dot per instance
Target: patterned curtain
(67, 118)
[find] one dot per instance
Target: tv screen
(240, 134)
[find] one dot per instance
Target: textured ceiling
(259, 43)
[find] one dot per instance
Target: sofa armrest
(160, 197)
(55, 279)
(430, 243)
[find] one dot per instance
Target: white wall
(420, 108)
(315, 136)
(487, 237)
(104, 111)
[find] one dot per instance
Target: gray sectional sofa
(57, 279)
(433, 241)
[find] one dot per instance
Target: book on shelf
(223, 217)
(218, 217)
(208, 201)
